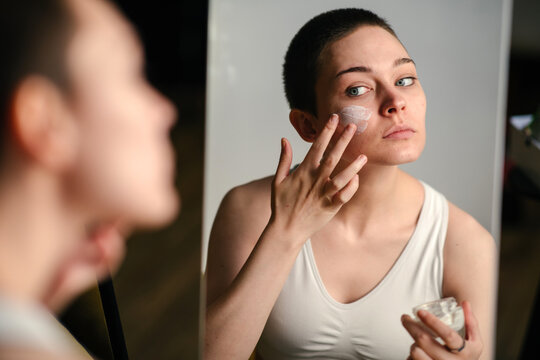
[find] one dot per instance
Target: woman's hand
(306, 199)
(97, 257)
(425, 347)
(249, 282)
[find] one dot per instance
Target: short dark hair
(301, 66)
(34, 35)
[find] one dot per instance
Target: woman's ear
(304, 123)
(41, 124)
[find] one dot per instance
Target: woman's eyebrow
(366, 69)
(354, 69)
(404, 60)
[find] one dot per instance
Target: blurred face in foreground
(125, 166)
(122, 173)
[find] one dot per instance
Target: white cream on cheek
(355, 114)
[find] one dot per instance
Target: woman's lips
(400, 134)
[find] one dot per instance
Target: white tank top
(31, 326)
(307, 323)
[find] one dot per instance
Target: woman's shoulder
(240, 220)
(468, 246)
(243, 213)
(463, 227)
(249, 197)
(470, 264)
(463, 230)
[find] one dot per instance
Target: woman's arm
(301, 203)
(470, 273)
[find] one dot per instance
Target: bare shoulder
(255, 194)
(245, 208)
(240, 220)
(465, 232)
(469, 252)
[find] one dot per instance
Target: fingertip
(471, 324)
(285, 147)
(284, 163)
(332, 122)
(284, 143)
(362, 159)
(467, 309)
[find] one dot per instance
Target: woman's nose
(393, 103)
(165, 111)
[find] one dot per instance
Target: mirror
(247, 112)
(460, 50)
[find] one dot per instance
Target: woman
(348, 245)
(84, 158)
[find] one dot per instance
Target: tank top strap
(425, 258)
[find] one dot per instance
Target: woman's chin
(160, 212)
(403, 153)
(394, 158)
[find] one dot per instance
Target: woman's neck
(380, 189)
(35, 232)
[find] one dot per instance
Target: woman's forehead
(103, 39)
(371, 47)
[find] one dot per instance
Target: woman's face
(125, 163)
(370, 68)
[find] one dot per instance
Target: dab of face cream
(355, 114)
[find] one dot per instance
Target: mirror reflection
(328, 256)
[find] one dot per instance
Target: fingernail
(333, 118)
(422, 313)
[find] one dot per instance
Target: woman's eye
(407, 81)
(357, 90)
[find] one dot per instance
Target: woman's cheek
(359, 145)
(355, 114)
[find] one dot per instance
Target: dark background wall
(519, 267)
